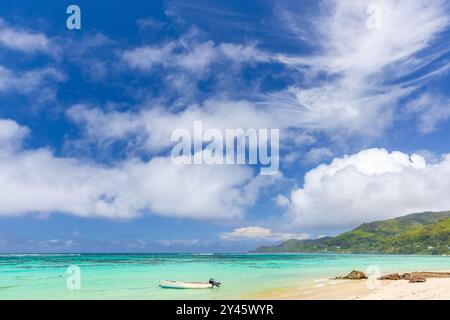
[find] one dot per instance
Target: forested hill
(418, 233)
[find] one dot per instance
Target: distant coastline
(426, 233)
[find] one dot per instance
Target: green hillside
(418, 233)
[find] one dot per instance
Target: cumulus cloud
(260, 233)
(11, 135)
(35, 181)
(370, 185)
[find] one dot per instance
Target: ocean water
(136, 276)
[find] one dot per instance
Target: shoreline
(331, 289)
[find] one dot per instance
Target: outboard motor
(215, 283)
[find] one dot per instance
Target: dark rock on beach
(414, 279)
(354, 275)
(411, 276)
(391, 276)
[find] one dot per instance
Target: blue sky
(359, 91)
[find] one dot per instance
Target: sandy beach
(329, 289)
(433, 289)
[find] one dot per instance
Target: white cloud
(191, 55)
(146, 57)
(352, 81)
(152, 127)
(197, 58)
(354, 48)
(316, 155)
(210, 192)
(35, 181)
(38, 82)
(370, 185)
(248, 232)
(431, 110)
(260, 233)
(355, 77)
(23, 40)
(11, 135)
(430, 156)
(94, 53)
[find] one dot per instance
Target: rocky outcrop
(391, 276)
(415, 276)
(354, 275)
(433, 274)
(414, 279)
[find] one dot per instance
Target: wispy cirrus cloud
(38, 82)
(185, 64)
(191, 55)
(358, 74)
(430, 110)
(94, 53)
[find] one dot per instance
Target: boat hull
(185, 285)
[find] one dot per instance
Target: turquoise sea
(136, 276)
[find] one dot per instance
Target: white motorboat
(188, 285)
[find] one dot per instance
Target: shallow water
(136, 276)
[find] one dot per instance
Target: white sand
(432, 289)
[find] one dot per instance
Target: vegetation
(418, 233)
